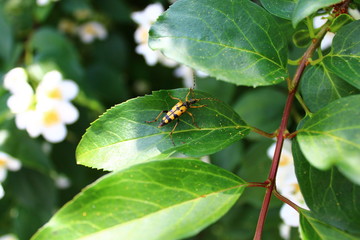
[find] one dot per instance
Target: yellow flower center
(55, 94)
(51, 117)
(2, 162)
(284, 160)
(144, 35)
(90, 29)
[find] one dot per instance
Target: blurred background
(75, 59)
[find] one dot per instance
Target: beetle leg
(164, 111)
(172, 140)
(193, 120)
(200, 106)
(175, 98)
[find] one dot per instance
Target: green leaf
(235, 41)
(330, 196)
(301, 38)
(305, 8)
(344, 59)
(170, 199)
(340, 21)
(331, 137)
(121, 137)
(280, 8)
(314, 229)
(319, 87)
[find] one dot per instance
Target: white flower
(67, 26)
(44, 2)
(287, 185)
(90, 31)
(187, 74)
(14, 79)
(49, 119)
(62, 181)
(22, 94)
(8, 237)
(2, 193)
(318, 21)
(355, 13)
(7, 162)
(149, 15)
(145, 19)
(54, 88)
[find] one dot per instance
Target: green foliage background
(109, 72)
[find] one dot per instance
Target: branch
(293, 85)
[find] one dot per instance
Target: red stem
(282, 133)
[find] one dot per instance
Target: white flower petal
(52, 78)
(3, 174)
(186, 74)
(15, 79)
(42, 2)
(21, 100)
(141, 35)
(14, 165)
(23, 119)
(89, 31)
(33, 124)
(68, 113)
(55, 133)
(2, 192)
(289, 215)
(355, 13)
(320, 20)
(62, 182)
(148, 15)
(69, 89)
(285, 231)
(149, 55)
(327, 40)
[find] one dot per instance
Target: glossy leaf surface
(331, 137)
(330, 196)
(344, 59)
(280, 8)
(121, 137)
(305, 8)
(235, 41)
(314, 229)
(319, 87)
(158, 200)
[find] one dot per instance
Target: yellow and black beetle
(177, 110)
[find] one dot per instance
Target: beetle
(177, 110)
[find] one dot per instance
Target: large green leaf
(330, 196)
(121, 138)
(331, 137)
(319, 87)
(305, 8)
(235, 41)
(344, 59)
(280, 8)
(314, 229)
(158, 200)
